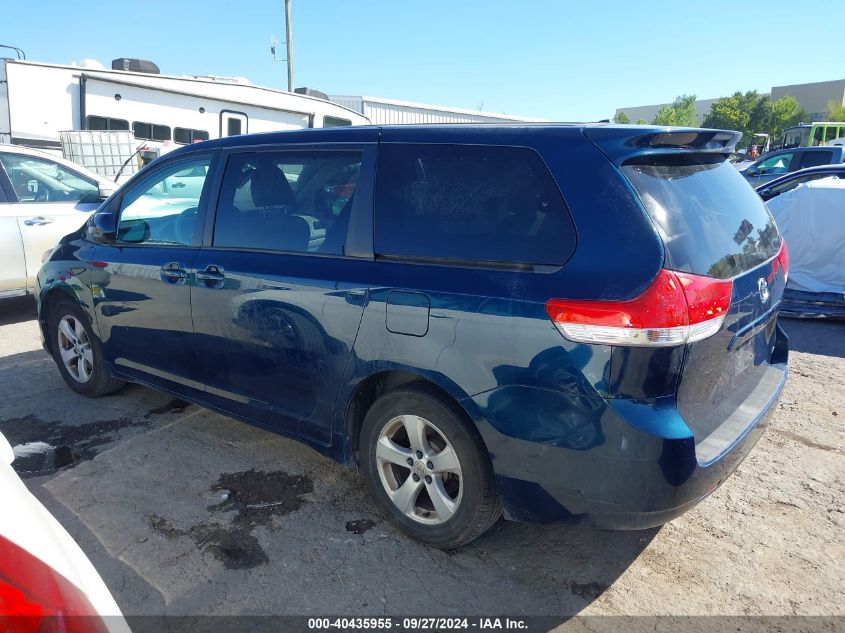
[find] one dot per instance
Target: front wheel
(77, 353)
(426, 469)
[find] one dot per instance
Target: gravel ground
(187, 512)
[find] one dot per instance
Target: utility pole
(288, 36)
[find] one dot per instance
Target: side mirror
(106, 190)
(102, 227)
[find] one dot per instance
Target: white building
(382, 111)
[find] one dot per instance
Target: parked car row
(775, 164)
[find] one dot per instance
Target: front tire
(77, 352)
(427, 468)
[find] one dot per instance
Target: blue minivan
(551, 322)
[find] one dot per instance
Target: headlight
(46, 255)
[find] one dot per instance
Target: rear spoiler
(621, 143)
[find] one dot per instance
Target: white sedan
(46, 581)
(42, 199)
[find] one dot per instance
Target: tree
(681, 112)
(744, 112)
(642, 122)
(728, 113)
(835, 111)
(785, 112)
(621, 117)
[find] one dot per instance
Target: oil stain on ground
(589, 591)
(255, 497)
(360, 526)
(41, 446)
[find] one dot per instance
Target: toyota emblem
(764, 289)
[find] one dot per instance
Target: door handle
(173, 273)
(178, 185)
(212, 275)
(38, 220)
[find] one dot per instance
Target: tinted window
(163, 208)
(794, 182)
(711, 222)
(41, 180)
(471, 203)
(151, 131)
(288, 201)
(187, 136)
(104, 123)
(812, 159)
(233, 127)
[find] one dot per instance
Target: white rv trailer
(39, 100)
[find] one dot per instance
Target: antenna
(273, 43)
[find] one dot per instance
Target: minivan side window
(294, 201)
(476, 204)
(163, 209)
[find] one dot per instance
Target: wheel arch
(48, 297)
(372, 386)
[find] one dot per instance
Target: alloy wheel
(75, 349)
(419, 469)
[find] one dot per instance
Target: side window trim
(202, 209)
(359, 237)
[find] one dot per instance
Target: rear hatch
(713, 224)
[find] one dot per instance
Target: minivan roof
(617, 141)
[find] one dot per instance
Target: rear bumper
(608, 463)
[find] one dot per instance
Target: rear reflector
(676, 308)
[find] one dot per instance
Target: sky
(561, 60)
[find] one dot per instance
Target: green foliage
(681, 112)
(621, 117)
(785, 112)
(751, 113)
(835, 111)
(642, 122)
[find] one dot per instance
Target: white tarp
(812, 219)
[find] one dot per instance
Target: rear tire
(427, 469)
(77, 351)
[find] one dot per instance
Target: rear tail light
(781, 262)
(676, 308)
(35, 598)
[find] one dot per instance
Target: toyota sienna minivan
(551, 322)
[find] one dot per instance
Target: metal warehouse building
(383, 111)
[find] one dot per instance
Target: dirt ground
(187, 512)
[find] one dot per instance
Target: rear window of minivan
(710, 219)
(471, 204)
